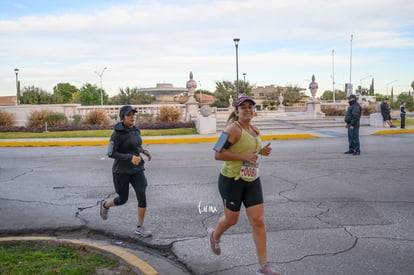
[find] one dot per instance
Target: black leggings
(235, 192)
(138, 182)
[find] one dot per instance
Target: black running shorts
(235, 192)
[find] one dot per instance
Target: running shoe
(103, 211)
(141, 231)
(266, 269)
(214, 245)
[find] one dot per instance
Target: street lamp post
(100, 79)
(333, 76)
(348, 86)
(16, 71)
(244, 83)
(236, 43)
(389, 84)
(350, 61)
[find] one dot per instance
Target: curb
(110, 251)
(169, 140)
(394, 132)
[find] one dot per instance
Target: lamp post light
(236, 43)
(100, 79)
(389, 84)
(16, 71)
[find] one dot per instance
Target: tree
(363, 91)
(65, 91)
(371, 88)
(224, 89)
(328, 95)
(291, 95)
(35, 95)
(379, 97)
(409, 102)
(244, 88)
(91, 95)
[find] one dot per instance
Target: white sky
(147, 42)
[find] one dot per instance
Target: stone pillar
(191, 104)
(375, 119)
(206, 124)
(313, 106)
(191, 109)
(191, 85)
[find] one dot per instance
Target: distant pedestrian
(352, 119)
(125, 147)
(402, 115)
(239, 147)
(386, 112)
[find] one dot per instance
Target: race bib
(249, 170)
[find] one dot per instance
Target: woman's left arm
(147, 154)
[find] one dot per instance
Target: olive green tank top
(247, 143)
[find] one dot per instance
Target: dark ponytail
(232, 117)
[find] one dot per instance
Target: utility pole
(236, 43)
(333, 76)
(100, 79)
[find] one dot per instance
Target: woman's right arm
(113, 148)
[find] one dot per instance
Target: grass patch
(408, 121)
(95, 133)
(38, 259)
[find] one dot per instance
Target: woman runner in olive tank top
(239, 180)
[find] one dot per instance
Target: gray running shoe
(141, 231)
(214, 245)
(103, 211)
(266, 269)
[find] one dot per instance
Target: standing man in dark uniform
(352, 118)
(402, 115)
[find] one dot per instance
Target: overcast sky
(147, 42)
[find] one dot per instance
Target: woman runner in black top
(125, 147)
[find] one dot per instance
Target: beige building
(164, 92)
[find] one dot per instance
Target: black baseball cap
(126, 110)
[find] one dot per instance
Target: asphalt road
(326, 212)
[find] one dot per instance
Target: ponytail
(232, 117)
